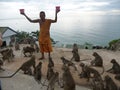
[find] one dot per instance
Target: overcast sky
(9, 9)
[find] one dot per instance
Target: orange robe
(44, 37)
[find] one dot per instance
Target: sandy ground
(59, 52)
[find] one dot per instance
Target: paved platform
(24, 82)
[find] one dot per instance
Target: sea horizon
(99, 30)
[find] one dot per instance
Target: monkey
(87, 71)
(50, 73)
(37, 72)
(68, 81)
(109, 83)
(36, 48)
(29, 71)
(75, 56)
(75, 48)
(1, 64)
(4, 50)
(51, 63)
(28, 50)
(117, 77)
(98, 61)
(7, 54)
(25, 67)
(97, 85)
(115, 68)
(68, 63)
(84, 73)
(17, 46)
(53, 80)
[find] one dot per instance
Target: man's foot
(41, 58)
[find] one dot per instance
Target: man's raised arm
(33, 21)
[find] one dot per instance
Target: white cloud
(70, 9)
(33, 8)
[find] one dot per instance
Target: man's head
(42, 15)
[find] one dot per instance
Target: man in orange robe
(44, 35)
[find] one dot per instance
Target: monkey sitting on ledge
(98, 61)
(115, 68)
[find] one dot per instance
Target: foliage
(22, 35)
(35, 34)
(113, 42)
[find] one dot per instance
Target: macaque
(117, 77)
(7, 54)
(68, 81)
(98, 61)
(50, 73)
(68, 63)
(53, 80)
(115, 68)
(51, 63)
(29, 50)
(25, 67)
(76, 56)
(87, 71)
(1, 64)
(17, 46)
(110, 84)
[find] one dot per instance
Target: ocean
(96, 30)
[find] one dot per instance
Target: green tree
(35, 34)
(113, 42)
(22, 35)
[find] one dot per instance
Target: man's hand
(57, 9)
(23, 14)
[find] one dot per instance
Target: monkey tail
(10, 75)
(86, 59)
